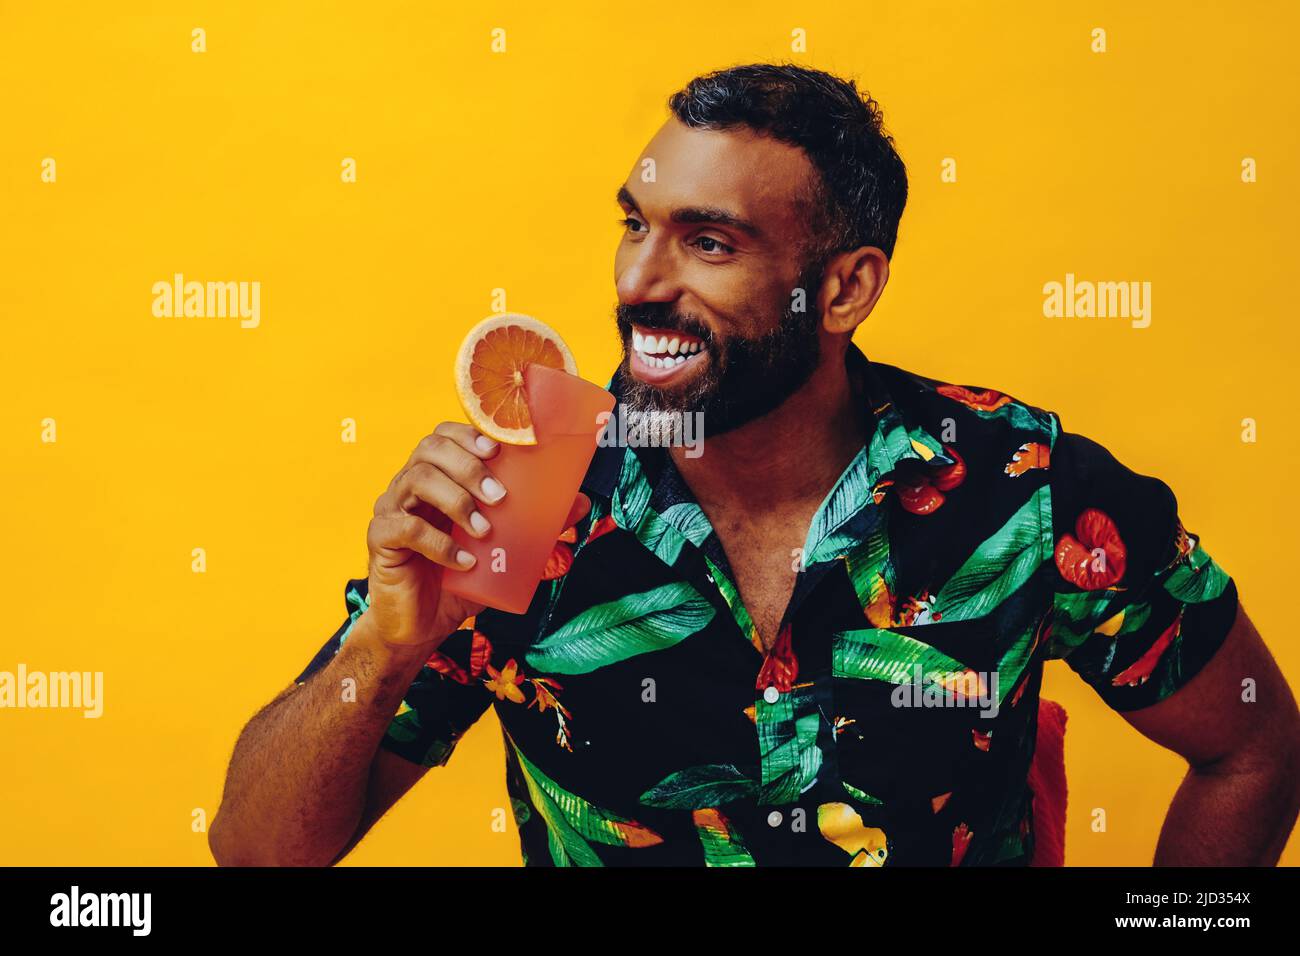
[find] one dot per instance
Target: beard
(744, 378)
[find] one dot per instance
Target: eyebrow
(713, 215)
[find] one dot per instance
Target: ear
(851, 285)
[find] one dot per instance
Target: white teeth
(659, 351)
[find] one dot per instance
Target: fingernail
(464, 559)
(484, 443)
(479, 523)
(492, 489)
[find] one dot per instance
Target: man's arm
(307, 777)
(1239, 800)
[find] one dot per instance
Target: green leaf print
(632, 495)
(1195, 585)
(999, 566)
(878, 654)
(612, 632)
(869, 566)
(722, 845)
(689, 519)
(1078, 613)
(572, 821)
(862, 796)
(699, 788)
(732, 597)
(850, 495)
(791, 757)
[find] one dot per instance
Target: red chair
(1047, 781)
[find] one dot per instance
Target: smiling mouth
(661, 354)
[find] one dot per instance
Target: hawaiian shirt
(893, 720)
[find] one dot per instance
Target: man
(819, 642)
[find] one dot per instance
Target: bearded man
(767, 653)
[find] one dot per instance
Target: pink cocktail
(541, 484)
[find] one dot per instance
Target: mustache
(660, 315)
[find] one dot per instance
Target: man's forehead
(755, 176)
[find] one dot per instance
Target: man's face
(707, 271)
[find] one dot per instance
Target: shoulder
(972, 414)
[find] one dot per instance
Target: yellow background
(479, 170)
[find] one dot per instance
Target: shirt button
(771, 695)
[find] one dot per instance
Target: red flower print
(1140, 669)
(1184, 544)
(961, 837)
(545, 695)
(917, 495)
(447, 667)
(480, 653)
(780, 666)
(1020, 692)
(603, 526)
(559, 562)
(985, 400)
(1077, 556)
(912, 608)
(636, 835)
(923, 492)
(561, 558)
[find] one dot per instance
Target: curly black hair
(861, 190)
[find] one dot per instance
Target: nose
(645, 273)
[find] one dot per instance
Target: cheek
(621, 259)
(746, 306)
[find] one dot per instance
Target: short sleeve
(443, 701)
(1139, 606)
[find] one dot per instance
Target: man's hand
(1239, 800)
(307, 777)
(444, 482)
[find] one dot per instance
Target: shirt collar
(897, 433)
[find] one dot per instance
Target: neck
(790, 456)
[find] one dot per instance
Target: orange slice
(490, 373)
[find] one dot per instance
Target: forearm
(296, 786)
(1233, 813)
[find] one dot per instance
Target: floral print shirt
(893, 720)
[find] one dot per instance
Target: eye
(629, 222)
(710, 245)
